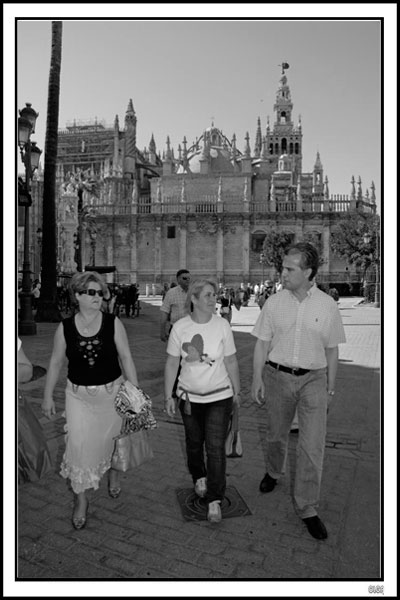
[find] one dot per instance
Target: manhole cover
(195, 509)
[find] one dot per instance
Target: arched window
(276, 148)
(296, 148)
(283, 117)
(284, 145)
(271, 148)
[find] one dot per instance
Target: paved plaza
(142, 535)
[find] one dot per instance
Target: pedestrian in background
(268, 290)
(174, 303)
(96, 346)
(295, 364)
(173, 308)
(118, 295)
(164, 290)
(107, 304)
(208, 385)
(36, 293)
(226, 305)
(131, 297)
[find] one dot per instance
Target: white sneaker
(214, 514)
(200, 487)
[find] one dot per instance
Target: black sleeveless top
(92, 360)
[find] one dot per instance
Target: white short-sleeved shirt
(299, 332)
(174, 303)
(202, 348)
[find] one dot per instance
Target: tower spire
(130, 140)
(258, 143)
(152, 144)
(247, 151)
(116, 147)
(373, 197)
(318, 172)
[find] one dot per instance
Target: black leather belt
(288, 369)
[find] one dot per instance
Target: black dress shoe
(316, 527)
(267, 484)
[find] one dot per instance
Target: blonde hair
(195, 289)
(80, 281)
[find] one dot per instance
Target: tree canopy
(355, 240)
(275, 244)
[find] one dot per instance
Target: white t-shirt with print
(202, 348)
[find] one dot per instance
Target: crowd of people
(117, 300)
(295, 362)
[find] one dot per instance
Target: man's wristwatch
(331, 392)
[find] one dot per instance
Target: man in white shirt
(173, 306)
(295, 364)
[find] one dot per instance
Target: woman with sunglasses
(96, 346)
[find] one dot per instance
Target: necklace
(87, 326)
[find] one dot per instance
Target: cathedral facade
(205, 206)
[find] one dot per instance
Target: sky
(183, 75)
(221, 64)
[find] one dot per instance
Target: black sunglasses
(93, 292)
(185, 278)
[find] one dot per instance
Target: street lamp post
(377, 258)
(93, 237)
(367, 239)
(30, 156)
(262, 258)
(39, 237)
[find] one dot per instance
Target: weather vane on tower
(284, 66)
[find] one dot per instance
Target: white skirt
(91, 424)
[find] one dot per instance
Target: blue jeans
(284, 393)
(207, 426)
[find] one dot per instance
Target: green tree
(356, 240)
(275, 244)
(47, 307)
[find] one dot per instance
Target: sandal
(113, 491)
(80, 522)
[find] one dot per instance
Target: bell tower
(285, 137)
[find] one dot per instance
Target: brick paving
(142, 535)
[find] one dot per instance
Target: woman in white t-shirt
(208, 386)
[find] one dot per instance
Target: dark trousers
(206, 429)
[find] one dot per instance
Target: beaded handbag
(132, 446)
(134, 407)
